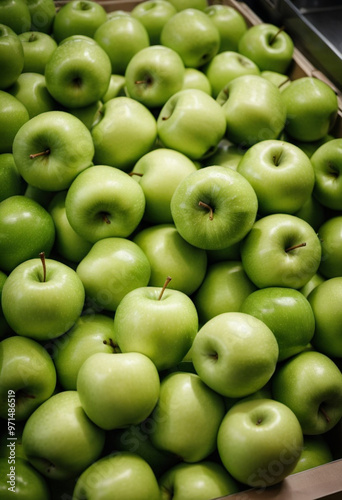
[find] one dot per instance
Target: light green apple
(38, 48)
(316, 452)
(27, 373)
(11, 182)
(230, 23)
(11, 56)
(287, 313)
(153, 14)
(327, 165)
(189, 4)
(316, 280)
(5, 329)
(42, 15)
(116, 88)
(13, 114)
(310, 384)
(187, 417)
(121, 119)
(16, 15)
(227, 154)
(260, 442)
(121, 476)
(89, 115)
(112, 268)
(31, 90)
(235, 354)
(330, 234)
(134, 385)
(15, 476)
(195, 79)
(59, 439)
(281, 80)
(313, 212)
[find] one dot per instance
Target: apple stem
(211, 211)
(106, 218)
(165, 118)
(295, 246)
(42, 153)
(167, 281)
(326, 416)
(32, 38)
(42, 258)
(288, 79)
(276, 34)
(135, 173)
(115, 347)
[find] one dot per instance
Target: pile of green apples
(170, 254)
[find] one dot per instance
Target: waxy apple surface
(11, 56)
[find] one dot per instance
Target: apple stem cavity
(41, 153)
(208, 207)
(289, 249)
(32, 38)
(324, 413)
(42, 258)
(272, 40)
(167, 281)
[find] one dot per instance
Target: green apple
(103, 202)
(226, 66)
(310, 147)
(15, 476)
(187, 417)
(41, 196)
(89, 115)
(42, 298)
(269, 46)
(316, 451)
(251, 120)
(214, 207)
(26, 229)
(134, 382)
(158, 322)
(191, 122)
(280, 173)
(38, 48)
(193, 35)
(116, 88)
(170, 255)
(227, 154)
(78, 17)
(77, 73)
(196, 79)
(310, 384)
(153, 75)
(68, 244)
(121, 119)
(198, 481)
(311, 108)
(42, 15)
(230, 23)
(112, 268)
(121, 37)
(287, 313)
(11, 56)
(59, 439)
(313, 212)
(51, 149)
(281, 80)
(16, 15)
(27, 373)
(121, 476)
(11, 182)
(224, 288)
(153, 14)
(5, 329)
(316, 280)
(330, 234)
(13, 114)
(327, 165)
(189, 4)
(281, 250)
(159, 172)
(324, 300)
(260, 442)
(31, 90)
(235, 354)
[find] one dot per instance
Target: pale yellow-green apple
(153, 75)
(153, 14)
(38, 48)
(78, 73)
(13, 114)
(42, 298)
(223, 289)
(121, 476)
(199, 481)
(226, 66)
(193, 35)
(59, 439)
(316, 280)
(11, 182)
(15, 476)
(89, 115)
(195, 79)
(78, 17)
(324, 300)
(113, 267)
(16, 15)
(170, 255)
(327, 165)
(281, 175)
(121, 119)
(134, 385)
(11, 56)
(310, 384)
(281, 80)
(240, 371)
(214, 207)
(159, 172)
(104, 201)
(287, 313)
(260, 442)
(330, 234)
(158, 322)
(116, 88)
(31, 90)
(250, 119)
(227, 154)
(42, 15)
(192, 122)
(26, 230)
(316, 451)
(187, 417)
(121, 37)
(311, 108)
(189, 4)
(230, 23)
(281, 250)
